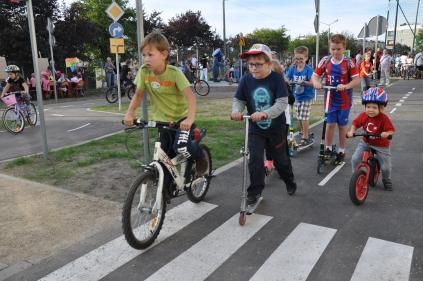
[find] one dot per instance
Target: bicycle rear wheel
(13, 120)
(201, 87)
(32, 116)
(142, 221)
(200, 183)
(131, 92)
(112, 95)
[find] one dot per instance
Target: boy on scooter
(265, 95)
(374, 122)
(342, 73)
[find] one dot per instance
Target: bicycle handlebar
(369, 135)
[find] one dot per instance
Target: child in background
(15, 83)
(374, 122)
(365, 72)
(300, 73)
(341, 73)
(265, 95)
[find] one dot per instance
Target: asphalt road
(317, 234)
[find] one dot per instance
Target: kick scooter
(322, 159)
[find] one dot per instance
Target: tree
(419, 40)
(276, 39)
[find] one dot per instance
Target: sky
(297, 16)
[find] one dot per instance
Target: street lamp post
(329, 24)
(224, 29)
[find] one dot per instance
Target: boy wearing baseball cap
(265, 95)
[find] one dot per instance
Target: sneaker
(387, 183)
(201, 166)
(291, 188)
(339, 158)
(252, 199)
(328, 153)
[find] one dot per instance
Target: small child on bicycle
(265, 95)
(15, 83)
(374, 122)
(170, 95)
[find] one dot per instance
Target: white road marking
(383, 260)
(58, 115)
(83, 126)
(297, 255)
(116, 113)
(401, 100)
(203, 258)
(2, 131)
(413, 89)
(393, 110)
(405, 97)
(331, 174)
(109, 257)
(45, 109)
(410, 92)
(64, 106)
(398, 104)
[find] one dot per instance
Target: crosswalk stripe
(383, 260)
(107, 258)
(203, 258)
(296, 256)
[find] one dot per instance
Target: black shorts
(420, 67)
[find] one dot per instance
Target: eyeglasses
(299, 59)
(256, 65)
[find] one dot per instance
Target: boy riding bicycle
(15, 83)
(170, 95)
(265, 95)
(374, 122)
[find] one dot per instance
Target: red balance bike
(366, 173)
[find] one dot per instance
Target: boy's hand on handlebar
(236, 116)
(350, 134)
(385, 135)
(258, 116)
(129, 119)
(186, 124)
(341, 87)
(317, 85)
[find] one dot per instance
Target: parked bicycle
(201, 87)
(17, 112)
(126, 87)
(145, 205)
(366, 173)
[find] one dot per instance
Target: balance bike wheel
(358, 187)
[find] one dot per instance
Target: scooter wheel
(242, 218)
(320, 166)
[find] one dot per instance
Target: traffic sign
(241, 40)
(116, 30)
(316, 23)
(117, 46)
(114, 11)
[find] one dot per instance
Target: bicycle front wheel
(112, 95)
(32, 116)
(131, 92)
(200, 176)
(13, 120)
(201, 87)
(358, 187)
(142, 218)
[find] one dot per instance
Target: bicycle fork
(142, 205)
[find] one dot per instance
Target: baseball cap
(257, 49)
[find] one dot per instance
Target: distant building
(404, 34)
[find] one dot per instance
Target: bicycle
(366, 173)
(127, 88)
(201, 87)
(17, 112)
(145, 205)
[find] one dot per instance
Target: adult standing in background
(358, 57)
(217, 59)
(204, 64)
(385, 68)
(109, 68)
(378, 55)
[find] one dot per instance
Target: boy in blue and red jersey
(341, 73)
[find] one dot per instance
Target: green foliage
(276, 39)
(419, 40)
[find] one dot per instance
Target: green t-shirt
(168, 103)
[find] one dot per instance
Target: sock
(341, 150)
(329, 147)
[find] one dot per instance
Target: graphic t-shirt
(259, 95)
(374, 125)
(168, 103)
(338, 73)
(302, 93)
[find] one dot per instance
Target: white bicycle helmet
(12, 68)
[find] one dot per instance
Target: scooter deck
(252, 208)
(301, 148)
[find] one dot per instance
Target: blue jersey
(301, 93)
(261, 94)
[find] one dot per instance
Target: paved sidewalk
(38, 220)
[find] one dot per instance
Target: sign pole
(118, 80)
(53, 67)
(316, 26)
(37, 76)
